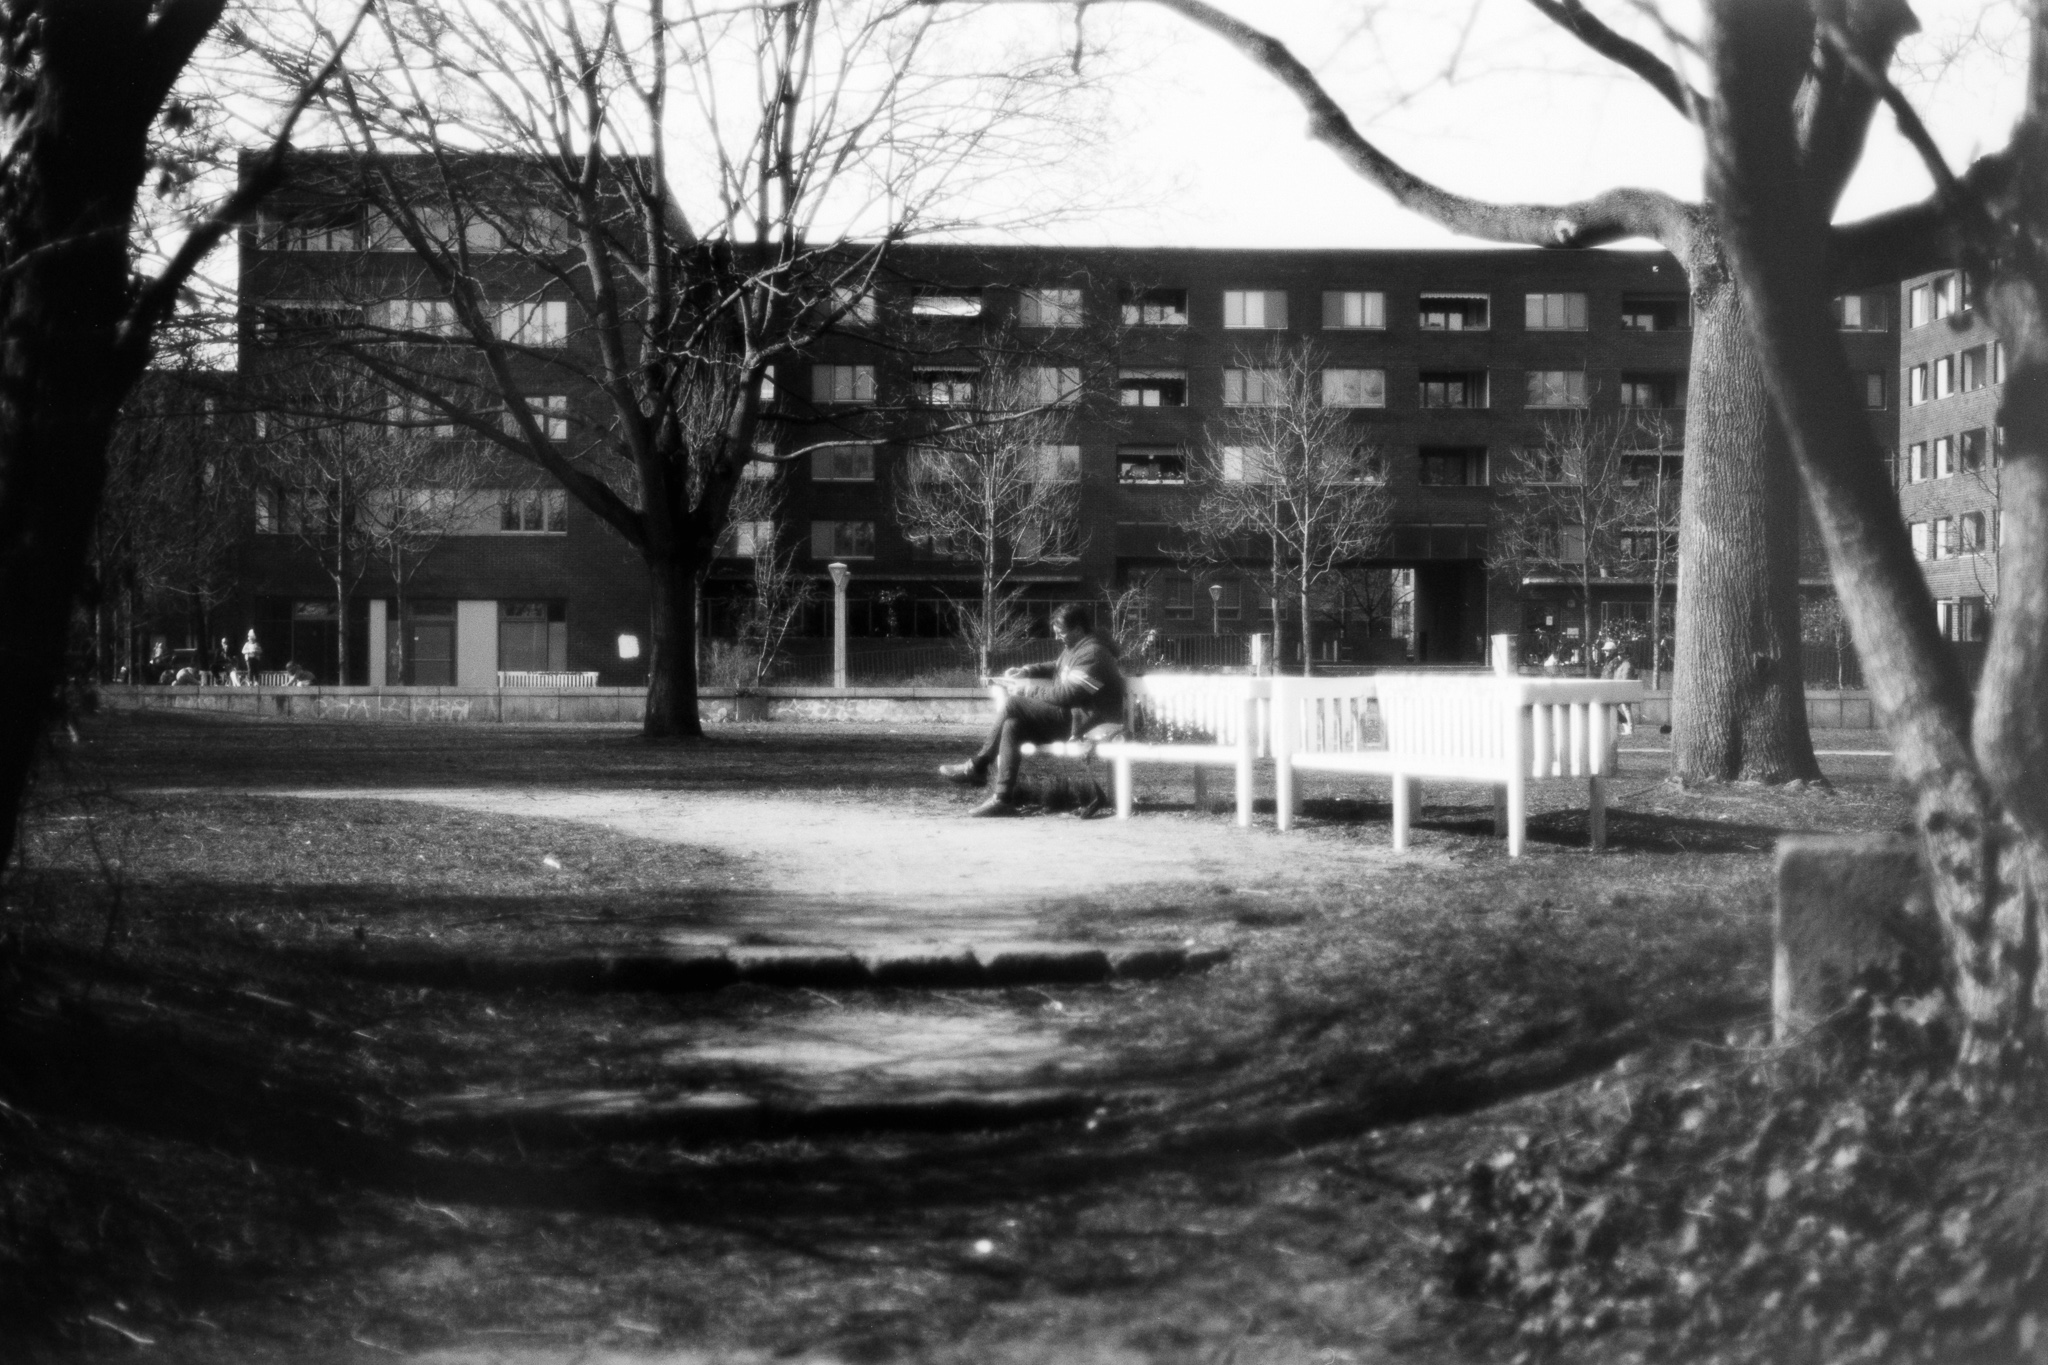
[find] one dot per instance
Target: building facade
(1445, 363)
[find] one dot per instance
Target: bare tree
(780, 592)
(1737, 690)
(83, 87)
(424, 491)
(1574, 507)
(1287, 489)
(706, 191)
(1979, 773)
(995, 485)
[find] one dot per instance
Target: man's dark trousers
(1023, 720)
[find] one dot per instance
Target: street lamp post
(1215, 608)
(840, 573)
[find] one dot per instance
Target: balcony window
(843, 464)
(1155, 308)
(1049, 387)
(842, 540)
(1919, 306)
(1947, 296)
(1970, 450)
(1151, 465)
(831, 384)
(1916, 534)
(944, 388)
(1862, 313)
(1152, 388)
(1453, 312)
(541, 324)
(1652, 391)
(1872, 383)
(1557, 389)
(1354, 388)
(1254, 308)
(1254, 388)
(1655, 313)
(746, 539)
(1548, 465)
(1916, 386)
(1049, 308)
(1453, 466)
(1976, 371)
(1970, 533)
(1944, 457)
(1354, 309)
(1055, 463)
(1944, 376)
(946, 303)
(1554, 312)
(1464, 389)
(533, 511)
(1916, 462)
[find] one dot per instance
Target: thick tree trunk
(1738, 697)
(672, 651)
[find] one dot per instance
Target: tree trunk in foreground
(672, 651)
(1738, 696)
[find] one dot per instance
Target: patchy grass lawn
(203, 1134)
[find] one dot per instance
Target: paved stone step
(571, 1117)
(698, 967)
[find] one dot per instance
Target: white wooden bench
(1502, 730)
(1196, 720)
(530, 678)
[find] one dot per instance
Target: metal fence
(951, 663)
(1831, 667)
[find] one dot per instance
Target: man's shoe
(995, 808)
(964, 774)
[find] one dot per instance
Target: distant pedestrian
(158, 668)
(1615, 664)
(252, 657)
(225, 661)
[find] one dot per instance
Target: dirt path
(864, 851)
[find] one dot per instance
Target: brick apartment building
(1952, 369)
(1446, 361)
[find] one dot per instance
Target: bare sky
(1485, 96)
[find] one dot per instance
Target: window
(943, 388)
(1453, 312)
(1916, 531)
(1254, 388)
(1967, 619)
(1655, 313)
(1453, 467)
(1970, 448)
(1861, 313)
(1151, 464)
(1152, 388)
(1045, 386)
(1227, 605)
(1453, 390)
(1641, 471)
(945, 303)
(419, 416)
(333, 230)
(1354, 388)
(1155, 308)
(843, 464)
(527, 510)
(1554, 312)
(1255, 308)
(550, 411)
(433, 317)
(1354, 309)
(1242, 464)
(1546, 464)
(1055, 463)
(1916, 386)
(1652, 390)
(746, 539)
(534, 324)
(280, 317)
(842, 540)
(762, 464)
(532, 637)
(1998, 362)
(1974, 374)
(1970, 533)
(842, 383)
(539, 228)
(1942, 539)
(1557, 388)
(1642, 544)
(1916, 462)
(1872, 382)
(855, 306)
(1944, 376)
(1180, 598)
(1944, 457)
(1947, 296)
(1919, 305)
(1049, 308)
(1561, 544)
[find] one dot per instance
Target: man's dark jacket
(1086, 681)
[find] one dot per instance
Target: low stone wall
(614, 705)
(588, 705)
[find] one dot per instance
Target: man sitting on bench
(1083, 689)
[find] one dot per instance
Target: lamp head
(840, 573)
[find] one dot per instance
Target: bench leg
(1126, 796)
(1404, 803)
(1283, 793)
(1518, 815)
(1596, 810)
(1201, 788)
(1244, 791)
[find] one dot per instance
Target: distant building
(1445, 361)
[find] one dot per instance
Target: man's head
(1069, 622)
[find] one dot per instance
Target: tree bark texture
(80, 84)
(1738, 695)
(672, 650)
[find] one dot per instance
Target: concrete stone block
(820, 969)
(1847, 904)
(928, 965)
(1041, 964)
